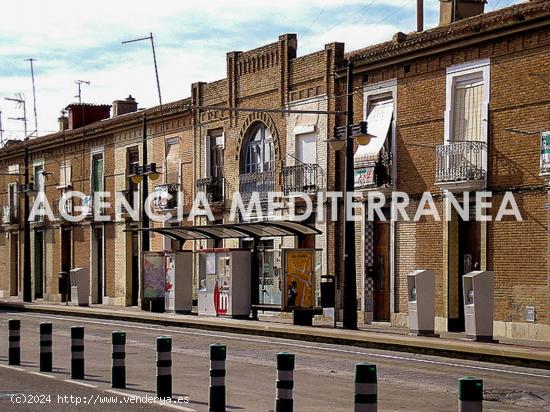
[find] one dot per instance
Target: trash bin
(328, 291)
(478, 305)
(421, 297)
(80, 286)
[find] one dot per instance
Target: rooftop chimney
(454, 10)
(129, 105)
(63, 123)
(82, 114)
(419, 15)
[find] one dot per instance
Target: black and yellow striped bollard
(366, 390)
(284, 401)
(14, 342)
(118, 366)
(216, 401)
(77, 352)
(470, 394)
(164, 367)
(46, 346)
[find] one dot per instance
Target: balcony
(166, 197)
(9, 215)
(213, 187)
(260, 182)
(461, 165)
(300, 178)
(373, 175)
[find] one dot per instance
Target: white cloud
(75, 40)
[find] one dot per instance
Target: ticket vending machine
(178, 289)
(207, 283)
(421, 291)
(224, 282)
(80, 286)
(478, 305)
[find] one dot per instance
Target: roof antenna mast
(31, 60)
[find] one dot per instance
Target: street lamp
(344, 137)
(149, 170)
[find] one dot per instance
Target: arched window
(258, 152)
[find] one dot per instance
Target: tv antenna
(80, 83)
(20, 100)
(31, 60)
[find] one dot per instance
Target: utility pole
(27, 281)
(145, 243)
(31, 60)
(350, 286)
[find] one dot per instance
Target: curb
(493, 353)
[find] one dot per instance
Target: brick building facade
(407, 89)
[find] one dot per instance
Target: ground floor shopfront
(387, 251)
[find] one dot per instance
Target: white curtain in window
(467, 111)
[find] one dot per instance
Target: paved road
(323, 376)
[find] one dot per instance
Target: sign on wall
(364, 177)
(299, 280)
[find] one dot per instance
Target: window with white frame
(373, 162)
(213, 153)
(467, 101)
(65, 176)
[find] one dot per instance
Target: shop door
(97, 261)
(38, 264)
(135, 269)
(381, 252)
(14, 265)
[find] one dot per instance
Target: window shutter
(65, 176)
(306, 148)
(172, 161)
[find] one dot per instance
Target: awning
(307, 122)
(277, 228)
(378, 124)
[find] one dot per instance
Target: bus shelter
(254, 232)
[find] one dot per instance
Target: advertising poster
(299, 282)
(153, 275)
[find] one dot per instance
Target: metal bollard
(77, 352)
(470, 394)
(118, 366)
(14, 338)
(164, 367)
(284, 401)
(218, 354)
(46, 347)
(366, 398)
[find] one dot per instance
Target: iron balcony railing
(60, 204)
(300, 178)
(260, 182)
(166, 196)
(461, 161)
(213, 188)
(545, 154)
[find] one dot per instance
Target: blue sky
(191, 37)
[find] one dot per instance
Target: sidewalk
(446, 346)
